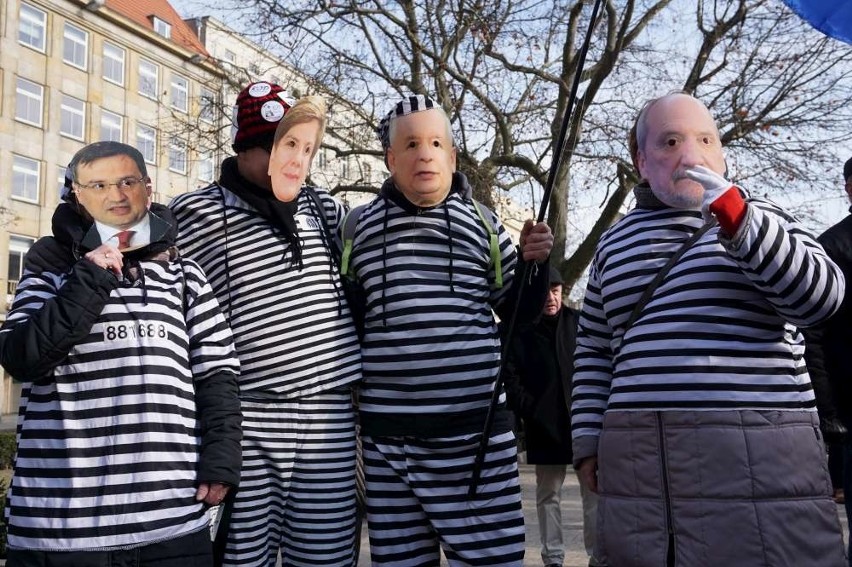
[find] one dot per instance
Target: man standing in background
(538, 388)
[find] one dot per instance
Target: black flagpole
(545, 200)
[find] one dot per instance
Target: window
(205, 166)
(75, 45)
(229, 57)
(367, 172)
(180, 93)
(31, 27)
(28, 102)
(146, 142)
(344, 167)
(111, 127)
(162, 28)
(322, 159)
(60, 182)
(18, 246)
(114, 64)
(207, 103)
(177, 156)
(72, 117)
(25, 178)
(148, 79)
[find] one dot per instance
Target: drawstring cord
(334, 265)
(450, 238)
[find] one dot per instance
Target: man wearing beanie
(827, 353)
(261, 242)
(422, 252)
(538, 385)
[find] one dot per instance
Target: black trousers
(193, 550)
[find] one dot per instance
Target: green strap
(493, 246)
(350, 221)
(347, 231)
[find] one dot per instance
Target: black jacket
(537, 379)
(30, 353)
(829, 345)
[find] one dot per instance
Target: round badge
(260, 89)
(289, 101)
(272, 111)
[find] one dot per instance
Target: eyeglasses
(123, 184)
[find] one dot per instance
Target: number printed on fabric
(307, 223)
(137, 330)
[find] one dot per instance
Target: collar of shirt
(141, 233)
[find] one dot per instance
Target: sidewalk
(572, 523)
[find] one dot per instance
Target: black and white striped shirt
(720, 332)
(292, 327)
(431, 346)
(108, 447)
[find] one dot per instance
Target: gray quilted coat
(715, 488)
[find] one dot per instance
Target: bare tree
(502, 69)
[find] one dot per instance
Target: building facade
(77, 71)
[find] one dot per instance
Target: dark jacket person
(129, 422)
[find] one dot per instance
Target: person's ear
(390, 161)
(640, 163)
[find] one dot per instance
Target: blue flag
(831, 17)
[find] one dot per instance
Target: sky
(827, 208)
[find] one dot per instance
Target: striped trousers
(417, 502)
(297, 489)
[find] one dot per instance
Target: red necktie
(124, 238)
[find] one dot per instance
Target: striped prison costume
(109, 438)
(299, 355)
(430, 355)
(720, 332)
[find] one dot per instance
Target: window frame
(61, 181)
(106, 114)
(81, 113)
(205, 157)
(207, 105)
(175, 88)
(66, 39)
(176, 144)
(123, 63)
(141, 148)
(40, 99)
(161, 27)
(21, 19)
(18, 246)
(156, 75)
(17, 169)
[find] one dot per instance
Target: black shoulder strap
(329, 235)
(661, 275)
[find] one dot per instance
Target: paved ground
(572, 519)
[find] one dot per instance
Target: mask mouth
(679, 174)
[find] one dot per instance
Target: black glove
(833, 430)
